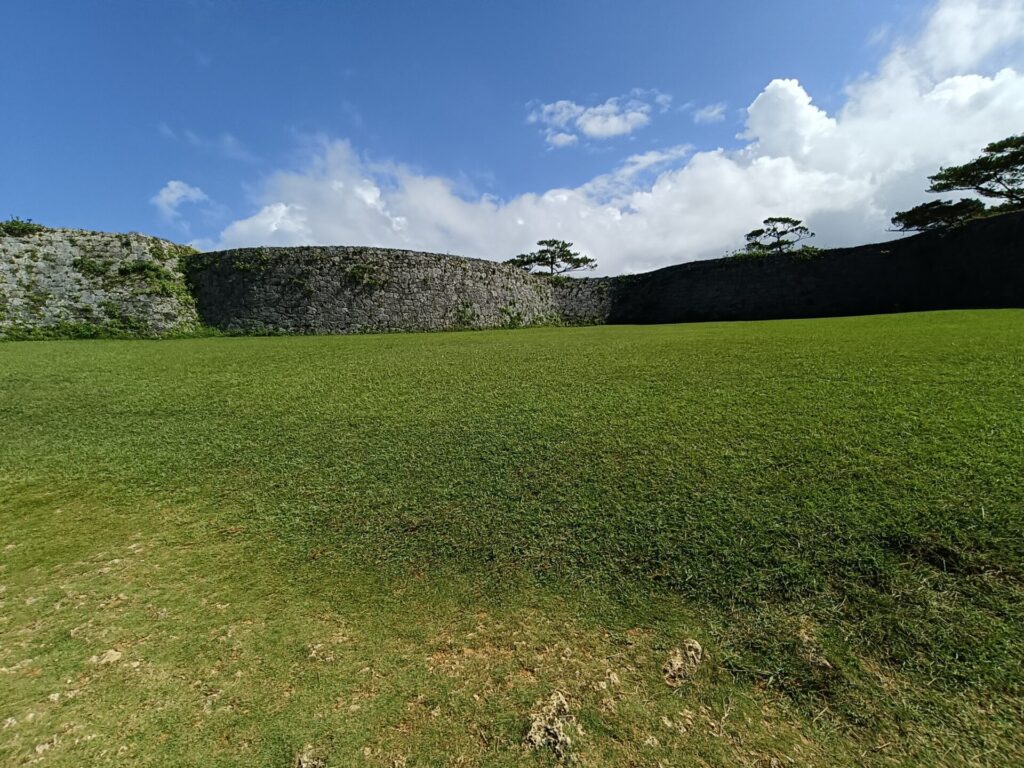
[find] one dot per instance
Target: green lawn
(390, 550)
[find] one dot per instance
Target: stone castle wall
(354, 290)
(979, 265)
(71, 282)
(586, 301)
(64, 282)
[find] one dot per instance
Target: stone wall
(65, 282)
(352, 290)
(71, 282)
(979, 265)
(585, 301)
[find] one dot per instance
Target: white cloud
(663, 100)
(559, 139)
(782, 121)
(612, 186)
(613, 119)
(175, 194)
(564, 121)
(558, 114)
(275, 224)
(845, 173)
(963, 33)
(712, 113)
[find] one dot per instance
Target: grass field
(391, 550)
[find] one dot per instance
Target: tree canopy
(554, 257)
(778, 234)
(938, 214)
(998, 173)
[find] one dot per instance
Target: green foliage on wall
(91, 267)
(15, 227)
(366, 276)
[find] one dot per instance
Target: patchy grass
(395, 550)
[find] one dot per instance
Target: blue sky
(424, 125)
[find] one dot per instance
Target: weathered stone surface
(122, 284)
(134, 285)
(354, 290)
(586, 300)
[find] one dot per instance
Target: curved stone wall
(62, 282)
(352, 290)
(73, 283)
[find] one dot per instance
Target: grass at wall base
(394, 550)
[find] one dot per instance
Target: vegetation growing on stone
(91, 267)
(155, 278)
(252, 260)
(466, 315)
(365, 276)
(58, 284)
(15, 227)
(513, 317)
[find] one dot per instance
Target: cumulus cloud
(173, 195)
(782, 121)
(565, 121)
(960, 34)
(845, 173)
(712, 113)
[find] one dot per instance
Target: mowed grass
(388, 550)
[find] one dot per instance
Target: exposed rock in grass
(320, 652)
(309, 757)
(551, 725)
(107, 657)
(682, 663)
(682, 723)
